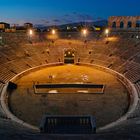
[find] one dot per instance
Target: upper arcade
(124, 22)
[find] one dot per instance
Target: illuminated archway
(69, 56)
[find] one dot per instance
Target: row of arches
(129, 24)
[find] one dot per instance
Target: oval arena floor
(30, 107)
(120, 53)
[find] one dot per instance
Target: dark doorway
(138, 24)
(129, 24)
(121, 24)
(114, 24)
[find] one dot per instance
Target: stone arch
(69, 56)
(129, 24)
(138, 24)
(121, 24)
(114, 24)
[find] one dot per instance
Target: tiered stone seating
(9, 53)
(31, 62)
(133, 72)
(5, 74)
(138, 88)
(122, 55)
(137, 58)
(3, 58)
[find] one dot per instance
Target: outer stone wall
(124, 22)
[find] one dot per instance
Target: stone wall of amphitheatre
(125, 20)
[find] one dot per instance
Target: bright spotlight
(30, 35)
(53, 31)
(107, 32)
(85, 32)
(30, 32)
(137, 37)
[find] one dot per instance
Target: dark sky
(60, 11)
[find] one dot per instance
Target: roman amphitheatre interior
(60, 73)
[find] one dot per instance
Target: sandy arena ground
(106, 107)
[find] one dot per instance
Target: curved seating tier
(121, 52)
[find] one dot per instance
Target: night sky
(63, 11)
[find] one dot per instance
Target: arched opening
(114, 24)
(69, 56)
(129, 24)
(121, 24)
(138, 24)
